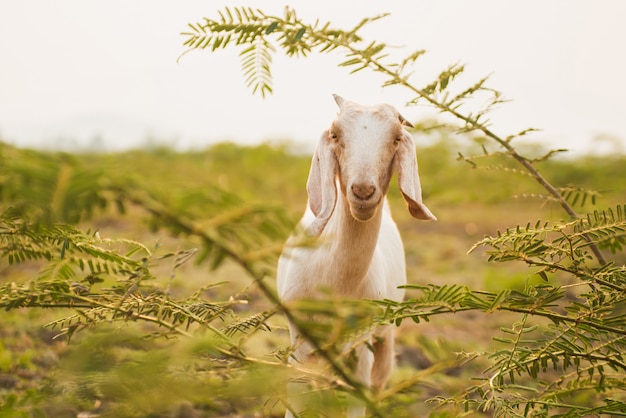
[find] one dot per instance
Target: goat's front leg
(299, 392)
(300, 397)
(363, 374)
(383, 357)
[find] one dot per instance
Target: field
(113, 368)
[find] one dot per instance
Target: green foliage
(94, 282)
(50, 187)
(131, 286)
(253, 29)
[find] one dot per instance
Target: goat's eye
(335, 138)
(397, 140)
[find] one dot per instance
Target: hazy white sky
(73, 70)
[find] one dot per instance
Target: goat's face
(365, 141)
(362, 148)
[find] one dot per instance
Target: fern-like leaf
(256, 62)
(245, 325)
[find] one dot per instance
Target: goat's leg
(383, 357)
(298, 391)
(296, 399)
(363, 374)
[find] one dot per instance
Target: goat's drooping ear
(321, 186)
(409, 181)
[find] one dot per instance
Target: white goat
(360, 255)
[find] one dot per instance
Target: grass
(88, 373)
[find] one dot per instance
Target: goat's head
(362, 148)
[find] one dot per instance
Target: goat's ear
(409, 181)
(321, 186)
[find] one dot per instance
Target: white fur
(359, 253)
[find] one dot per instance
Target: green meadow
(107, 366)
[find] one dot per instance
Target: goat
(360, 253)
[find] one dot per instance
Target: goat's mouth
(364, 210)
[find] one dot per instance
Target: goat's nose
(363, 191)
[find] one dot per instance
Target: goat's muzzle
(364, 199)
(363, 191)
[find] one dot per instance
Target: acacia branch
(297, 37)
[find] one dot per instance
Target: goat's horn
(339, 100)
(405, 122)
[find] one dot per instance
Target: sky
(76, 72)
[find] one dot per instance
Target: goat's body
(356, 260)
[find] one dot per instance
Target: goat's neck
(354, 245)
